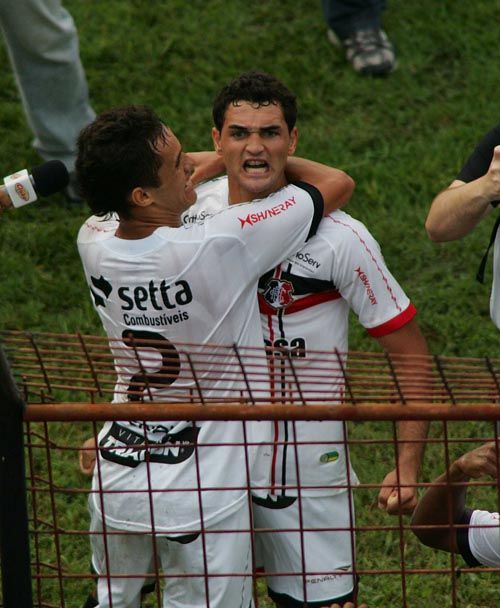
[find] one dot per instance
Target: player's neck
(238, 194)
(140, 228)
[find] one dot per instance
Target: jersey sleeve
(361, 275)
(270, 229)
(318, 206)
(479, 543)
(478, 162)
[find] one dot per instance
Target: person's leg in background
(42, 42)
(356, 26)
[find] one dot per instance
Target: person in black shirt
(472, 196)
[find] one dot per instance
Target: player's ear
(141, 197)
(216, 140)
(294, 136)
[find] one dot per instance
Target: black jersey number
(282, 348)
(124, 445)
(170, 363)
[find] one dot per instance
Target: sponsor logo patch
(369, 291)
(329, 457)
(22, 192)
(307, 259)
(254, 218)
(126, 447)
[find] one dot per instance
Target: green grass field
(402, 138)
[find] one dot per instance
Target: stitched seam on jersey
(276, 275)
(284, 454)
(92, 227)
(273, 392)
(363, 242)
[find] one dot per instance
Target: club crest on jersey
(278, 293)
(254, 218)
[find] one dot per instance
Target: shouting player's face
(255, 143)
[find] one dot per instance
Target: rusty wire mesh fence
(69, 381)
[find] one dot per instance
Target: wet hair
(118, 152)
(259, 89)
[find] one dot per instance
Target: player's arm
(87, 456)
(408, 350)
(444, 503)
(207, 165)
(458, 209)
(335, 186)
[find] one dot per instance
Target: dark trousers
(346, 16)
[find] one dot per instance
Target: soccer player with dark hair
(151, 278)
(304, 303)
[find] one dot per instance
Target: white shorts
(323, 570)
(189, 578)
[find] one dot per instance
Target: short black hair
(260, 89)
(117, 152)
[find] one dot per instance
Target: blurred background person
(355, 26)
(42, 43)
(471, 197)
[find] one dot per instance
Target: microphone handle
(19, 188)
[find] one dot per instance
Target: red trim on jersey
(393, 324)
(311, 300)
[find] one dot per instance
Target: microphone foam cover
(50, 177)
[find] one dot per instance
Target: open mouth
(255, 167)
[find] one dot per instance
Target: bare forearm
(444, 503)
(441, 505)
(457, 210)
(411, 444)
(335, 185)
(207, 165)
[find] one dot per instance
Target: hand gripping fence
(71, 383)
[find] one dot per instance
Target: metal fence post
(14, 537)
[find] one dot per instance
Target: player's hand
(481, 461)
(206, 165)
(87, 456)
(396, 500)
(5, 202)
(493, 174)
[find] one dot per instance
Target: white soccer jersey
(484, 537)
(304, 305)
(195, 285)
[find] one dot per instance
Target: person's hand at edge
(87, 455)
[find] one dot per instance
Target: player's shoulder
(212, 186)
(212, 196)
(485, 517)
(97, 228)
(340, 228)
